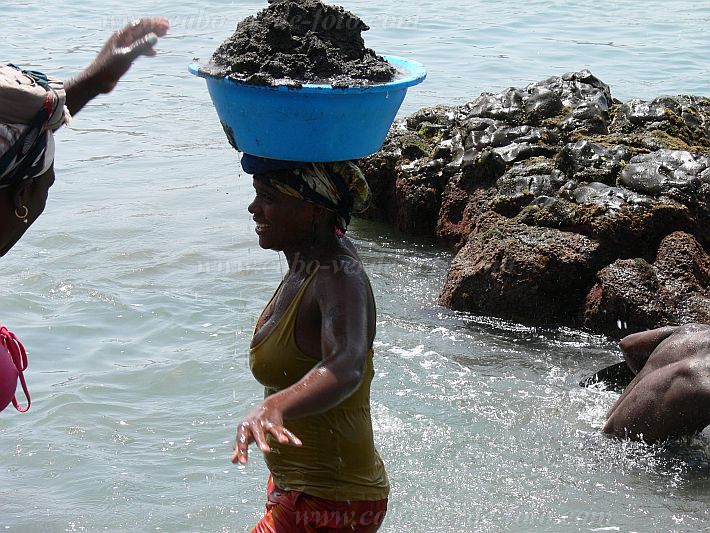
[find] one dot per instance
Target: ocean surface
(137, 290)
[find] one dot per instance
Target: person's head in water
(32, 107)
(300, 204)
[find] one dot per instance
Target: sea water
(136, 294)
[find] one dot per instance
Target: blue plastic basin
(314, 122)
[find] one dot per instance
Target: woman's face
(283, 222)
(31, 194)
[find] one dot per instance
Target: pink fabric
(13, 362)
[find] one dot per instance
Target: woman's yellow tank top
(338, 460)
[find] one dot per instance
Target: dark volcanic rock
(633, 295)
(627, 224)
(457, 218)
(506, 106)
(585, 97)
(301, 41)
(524, 182)
(675, 174)
(682, 117)
(418, 197)
(588, 161)
(517, 271)
(439, 115)
(557, 174)
(467, 195)
(406, 183)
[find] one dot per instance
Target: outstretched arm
(638, 347)
(347, 329)
(114, 60)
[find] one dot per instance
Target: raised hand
(123, 48)
(114, 60)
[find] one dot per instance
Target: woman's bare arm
(346, 324)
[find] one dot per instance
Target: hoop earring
(22, 217)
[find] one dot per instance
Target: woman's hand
(264, 419)
(114, 60)
(123, 48)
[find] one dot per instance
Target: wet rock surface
(509, 269)
(301, 41)
(550, 192)
(633, 294)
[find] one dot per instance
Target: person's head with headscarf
(338, 189)
(32, 108)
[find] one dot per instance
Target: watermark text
(202, 20)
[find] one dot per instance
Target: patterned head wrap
(32, 107)
(339, 187)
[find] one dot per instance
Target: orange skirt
(295, 512)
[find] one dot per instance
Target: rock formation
(562, 204)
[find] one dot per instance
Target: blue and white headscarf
(32, 107)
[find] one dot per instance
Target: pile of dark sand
(301, 41)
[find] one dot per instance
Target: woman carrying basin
(312, 352)
(302, 100)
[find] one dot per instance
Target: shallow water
(136, 294)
